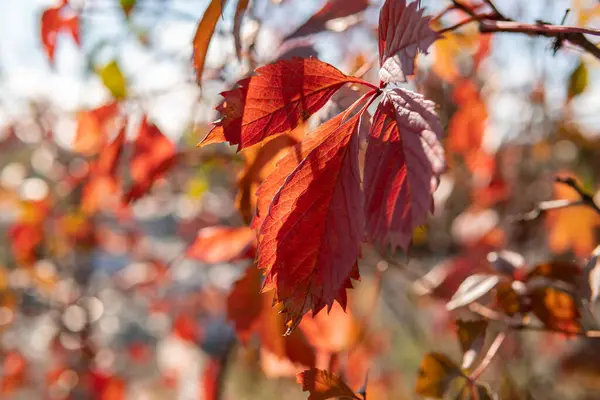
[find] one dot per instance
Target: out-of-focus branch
(497, 22)
(489, 356)
(585, 199)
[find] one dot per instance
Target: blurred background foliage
(120, 266)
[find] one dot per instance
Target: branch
(585, 199)
(497, 22)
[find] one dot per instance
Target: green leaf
(113, 79)
(578, 80)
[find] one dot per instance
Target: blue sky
(165, 67)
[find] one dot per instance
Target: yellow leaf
(578, 80)
(114, 80)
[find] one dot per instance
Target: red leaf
(220, 244)
(244, 303)
(213, 375)
(309, 241)
(323, 385)
(52, 22)
(153, 155)
(332, 9)
(403, 161)
(403, 31)
(276, 100)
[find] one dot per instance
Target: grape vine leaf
(403, 161)
(403, 32)
(308, 243)
(276, 100)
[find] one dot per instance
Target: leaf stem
(489, 356)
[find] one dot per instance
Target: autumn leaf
(55, 20)
(153, 155)
(324, 385)
(403, 161)
(244, 303)
(578, 81)
(471, 335)
(94, 126)
(556, 309)
(127, 6)
(472, 289)
(204, 33)
(276, 100)
(332, 9)
(113, 79)
(240, 10)
(221, 244)
(403, 32)
(435, 375)
(260, 161)
(103, 180)
(309, 241)
(467, 126)
(571, 228)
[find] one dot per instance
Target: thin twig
(444, 11)
(497, 22)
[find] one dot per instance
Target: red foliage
(54, 21)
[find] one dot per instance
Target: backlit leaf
(435, 375)
(153, 155)
(324, 385)
(471, 335)
(332, 9)
(403, 32)
(260, 161)
(242, 5)
(220, 244)
(114, 80)
(472, 289)
(244, 303)
(403, 161)
(276, 100)
(55, 20)
(578, 81)
(556, 309)
(467, 125)
(94, 127)
(572, 228)
(103, 181)
(309, 241)
(204, 33)
(127, 6)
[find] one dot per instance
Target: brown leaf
(556, 309)
(324, 385)
(435, 375)
(471, 335)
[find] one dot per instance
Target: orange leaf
(323, 385)
(276, 100)
(93, 128)
(572, 228)
(242, 5)
(435, 374)
(220, 244)
(467, 126)
(204, 33)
